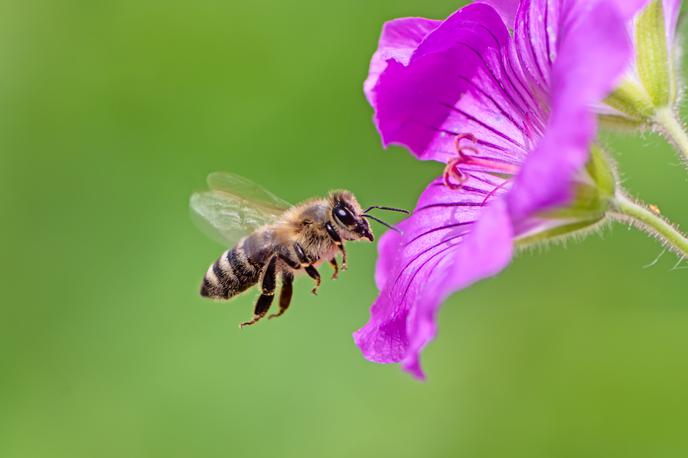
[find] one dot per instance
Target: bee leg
(333, 262)
(285, 294)
(268, 293)
(307, 264)
(315, 275)
(334, 235)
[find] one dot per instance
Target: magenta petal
(527, 102)
(441, 250)
(387, 249)
(535, 34)
(398, 40)
(455, 82)
(595, 39)
(627, 8)
(506, 8)
(486, 250)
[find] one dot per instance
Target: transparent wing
(233, 207)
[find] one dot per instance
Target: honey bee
(272, 239)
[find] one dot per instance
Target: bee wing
(233, 207)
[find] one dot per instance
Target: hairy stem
(671, 127)
(645, 219)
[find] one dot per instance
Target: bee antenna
(381, 222)
(392, 209)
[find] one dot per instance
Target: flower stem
(650, 221)
(671, 127)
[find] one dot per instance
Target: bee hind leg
(285, 294)
(267, 293)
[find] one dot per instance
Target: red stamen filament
(454, 177)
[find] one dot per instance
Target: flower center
(455, 174)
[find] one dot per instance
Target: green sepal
(621, 123)
(586, 204)
(557, 232)
(652, 56)
(600, 170)
(594, 194)
(591, 199)
(632, 100)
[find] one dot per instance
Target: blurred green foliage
(111, 113)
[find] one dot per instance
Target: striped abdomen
(230, 275)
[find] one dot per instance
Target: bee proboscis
(272, 240)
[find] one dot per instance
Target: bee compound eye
(344, 215)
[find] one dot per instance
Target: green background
(112, 113)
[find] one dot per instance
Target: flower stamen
(454, 176)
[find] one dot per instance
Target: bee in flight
(272, 239)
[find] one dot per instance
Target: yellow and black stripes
(230, 275)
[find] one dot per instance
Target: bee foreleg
(285, 294)
(267, 293)
(307, 264)
(333, 263)
(313, 273)
(334, 235)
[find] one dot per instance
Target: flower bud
(651, 83)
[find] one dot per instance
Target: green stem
(670, 126)
(625, 209)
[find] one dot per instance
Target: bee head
(348, 216)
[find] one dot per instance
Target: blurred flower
(510, 117)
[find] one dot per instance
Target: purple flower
(509, 115)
